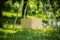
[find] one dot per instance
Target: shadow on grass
(11, 19)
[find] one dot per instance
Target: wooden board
(33, 23)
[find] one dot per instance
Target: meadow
(17, 33)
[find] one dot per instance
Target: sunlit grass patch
(10, 26)
(7, 31)
(31, 16)
(9, 14)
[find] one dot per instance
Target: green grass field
(17, 33)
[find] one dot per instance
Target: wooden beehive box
(33, 23)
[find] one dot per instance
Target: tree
(37, 9)
(24, 10)
(1, 25)
(1, 8)
(44, 8)
(17, 11)
(55, 6)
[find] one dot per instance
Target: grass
(9, 14)
(10, 17)
(17, 33)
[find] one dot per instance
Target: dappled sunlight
(7, 31)
(10, 14)
(30, 20)
(31, 16)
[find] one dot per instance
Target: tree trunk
(55, 19)
(1, 24)
(44, 8)
(24, 10)
(1, 8)
(37, 9)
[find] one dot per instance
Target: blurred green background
(47, 10)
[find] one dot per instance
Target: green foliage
(17, 33)
(8, 6)
(34, 7)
